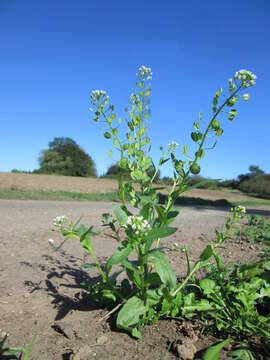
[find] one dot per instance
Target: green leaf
(132, 272)
(15, 350)
(129, 316)
(119, 255)
(202, 305)
(207, 253)
(29, 348)
(157, 233)
(163, 161)
(120, 214)
(207, 285)
(266, 265)
(109, 294)
(161, 264)
(185, 150)
(212, 353)
(136, 333)
(152, 279)
(152, 297)
(241, 353)
(161, 212)
(172, 215)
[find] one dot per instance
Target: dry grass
(56, 183)
(101, 186)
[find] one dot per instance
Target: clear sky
(53, 53)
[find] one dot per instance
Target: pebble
(102, 340)
(84, 353)
(186, 350)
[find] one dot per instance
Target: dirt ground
(42, 291)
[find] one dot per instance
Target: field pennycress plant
(150, 289)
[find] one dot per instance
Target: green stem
(121, 187)
(180, 188)
(196, 267)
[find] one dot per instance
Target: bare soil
(42, 291)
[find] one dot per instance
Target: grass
(22, 194)
(26, 194)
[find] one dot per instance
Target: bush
(232, 184)
(258, 186)
(65, 157)
(202, 182)
(17, 171)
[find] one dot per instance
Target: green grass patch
(23, 194)
(249, 203)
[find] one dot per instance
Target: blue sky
(53, 53)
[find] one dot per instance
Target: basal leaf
(212, 353)
(130, 314)
(207, 285)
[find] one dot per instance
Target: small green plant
(23, 352)
(150, 289)
(257, 230)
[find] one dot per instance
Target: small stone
(84, 353)
(102, 340)
(186, 350)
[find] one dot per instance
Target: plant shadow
(68, 275)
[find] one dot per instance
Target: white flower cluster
(134, 98)
(173, 145)
(138, 224)
(246, 77)
(59, 220)
(146, 72)
(97, 95)
(241, 210)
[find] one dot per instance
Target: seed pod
(196, 136)
(107, 135)
(215, 124)
(195, 169)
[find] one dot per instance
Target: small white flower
(58, 221)
(245, 97)
(173, 145)
(51, 241)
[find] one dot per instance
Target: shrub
(258, 185)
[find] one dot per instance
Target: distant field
(36, 186)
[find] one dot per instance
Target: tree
(65, 157)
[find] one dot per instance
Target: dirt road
(39, 285)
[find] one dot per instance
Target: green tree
(65, 157)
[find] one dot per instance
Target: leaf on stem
(161, 264)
